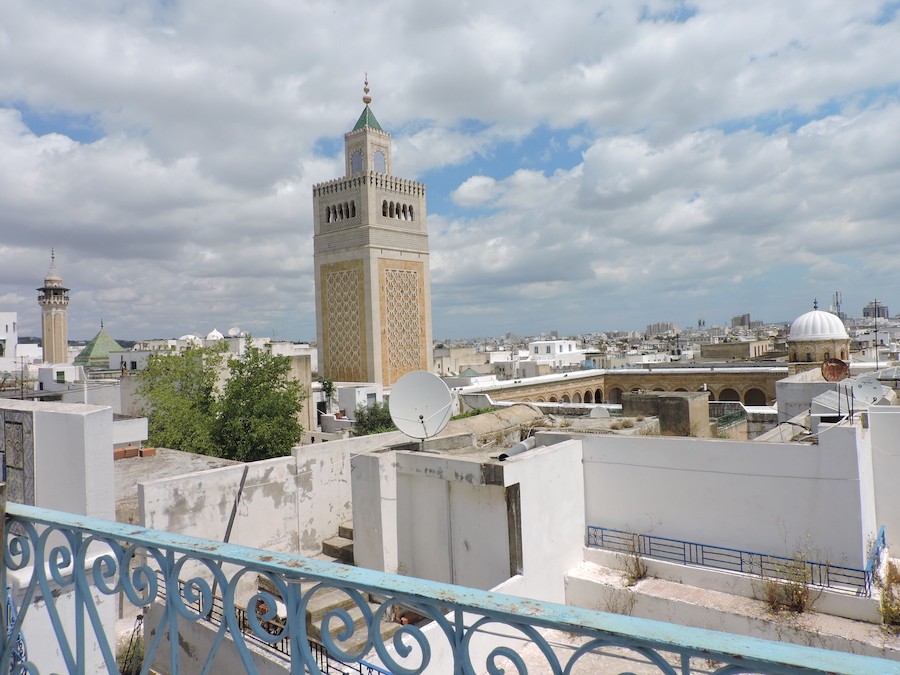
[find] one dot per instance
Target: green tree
(373, 420)
(180, 393)
(328, 390)
(257, 414)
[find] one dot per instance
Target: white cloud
(475, 191)
(749, 146)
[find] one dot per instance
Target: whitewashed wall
(73, 462)
(884, 432)
(73, 472)
(551, 487)
(770, 498)
(440, 518)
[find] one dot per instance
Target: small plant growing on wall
(787, 587)
(890, 596)
(635, 567)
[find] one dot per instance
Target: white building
(556, 353)
(9, 341)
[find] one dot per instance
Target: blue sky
(590, 165)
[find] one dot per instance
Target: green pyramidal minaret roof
(96, 353)
(367, 119)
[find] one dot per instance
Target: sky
(589, 165)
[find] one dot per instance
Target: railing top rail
(752, 652)
(768, 556)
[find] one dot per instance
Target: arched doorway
(564, 399)
(598, 396)
(729, 394)
(576, 397)
(615, 395)
(755, 397)
(588, 398)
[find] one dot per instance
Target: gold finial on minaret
(366, 99)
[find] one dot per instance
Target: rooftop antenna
(875, 321)
(420, 405)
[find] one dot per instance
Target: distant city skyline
(588, 167)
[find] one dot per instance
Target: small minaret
(54, 302)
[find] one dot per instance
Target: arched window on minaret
(380, 164)
(384, 208)
(411, 213)
(353, 209)
(356, 162)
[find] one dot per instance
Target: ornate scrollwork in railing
(66, 567)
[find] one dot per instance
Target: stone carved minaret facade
(54, 302)
(373, 284)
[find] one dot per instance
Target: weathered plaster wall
(288, 504)
(452, 525)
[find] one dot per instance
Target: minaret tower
(373, 283)
(54, 302)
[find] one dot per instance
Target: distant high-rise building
(54, 302)
(741, 321)
(373, 282)
(661, 328)
(875, 310)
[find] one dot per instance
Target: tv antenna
(420, 405)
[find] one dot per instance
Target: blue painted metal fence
(66, 555)
(835, 577)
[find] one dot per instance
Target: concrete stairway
(337, 549)
(340, 548)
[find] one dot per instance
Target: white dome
(193, 339)
(215, 335)
(818, 325)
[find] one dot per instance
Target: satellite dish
(234, 331)
(866, 390)
(420, 404)
(835, 370)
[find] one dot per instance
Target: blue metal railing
(61, 557)
(282, 648)
(835, 577)
(873, 561)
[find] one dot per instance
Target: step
(345, 530)
(360, 632)
(325, 600)
(340, 548)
